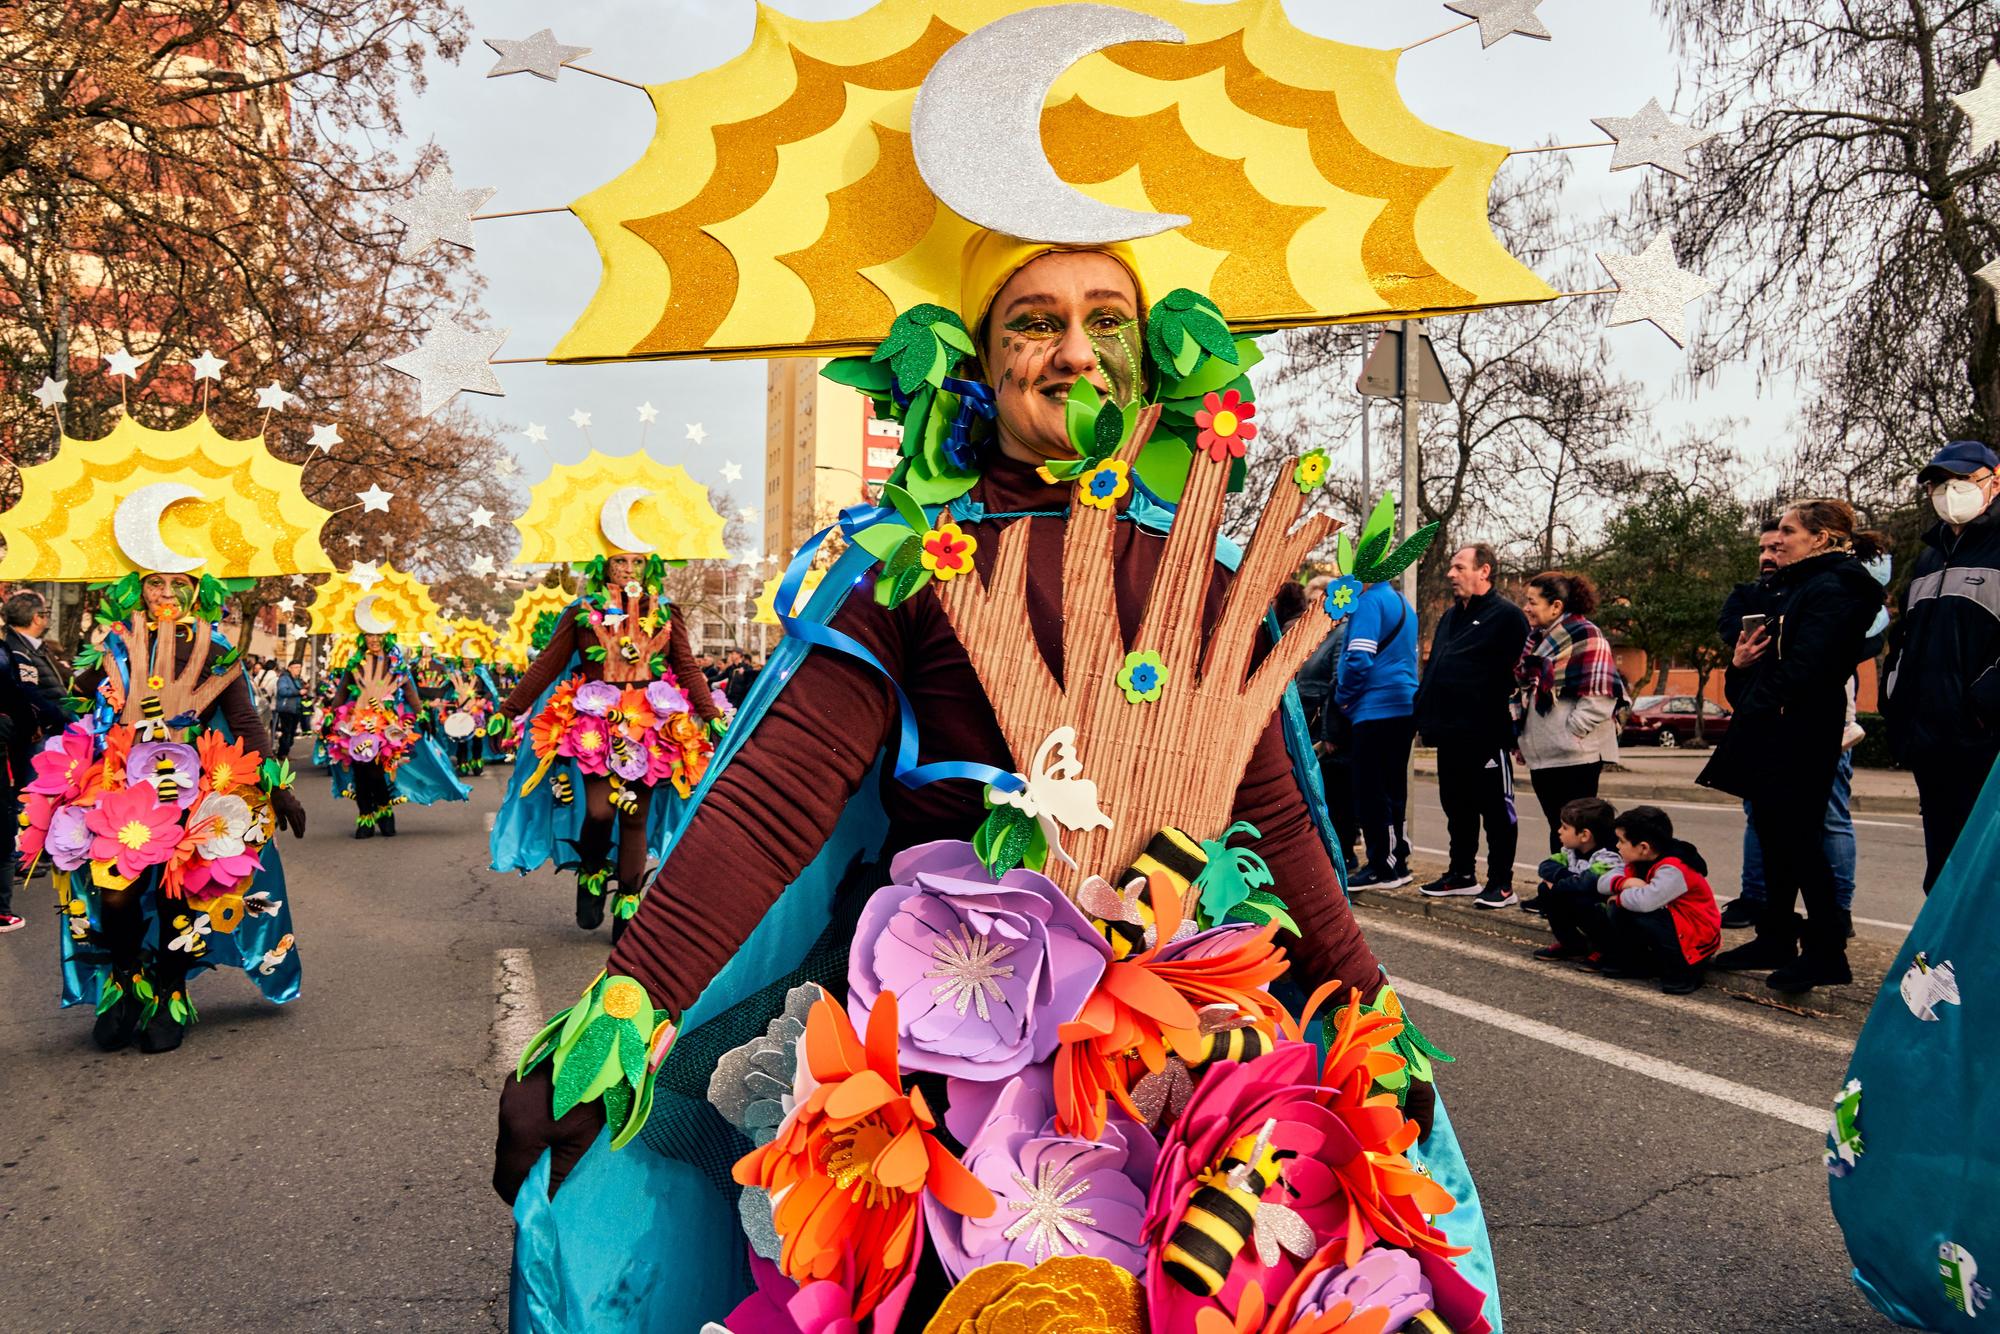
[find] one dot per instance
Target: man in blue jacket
(1375, 689)
(1943, 681)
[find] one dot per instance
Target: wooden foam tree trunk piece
(1176, 760)
(185, 690)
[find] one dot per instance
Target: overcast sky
(545, 144)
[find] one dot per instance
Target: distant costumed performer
(155, 811)
(374, 738)
(1002, 977)
(619, 719)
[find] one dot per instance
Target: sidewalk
(1649, 773)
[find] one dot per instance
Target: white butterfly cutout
(1057, 793)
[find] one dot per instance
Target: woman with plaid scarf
(1570, 694)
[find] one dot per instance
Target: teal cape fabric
(636, 1241)
(534, 829)
(253, 948)
(1918, 1203)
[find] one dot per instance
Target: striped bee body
(1222, 1214)
(1233, 1044)
(1126, 919)
(166, 779)
(562, 789)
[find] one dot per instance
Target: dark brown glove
(527, 1126)
(1420, 1106)
(289, 814)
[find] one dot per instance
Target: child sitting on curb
(1573, 875)
(1659, 917)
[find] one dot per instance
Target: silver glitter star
(1047, 1216)
(1649, 137)
(207, 366)
(365, 574)
(1981, 106)
(482, 566)
(1990, 275)
(1653, 286)
(438, 211)
(541, 55)
(969, 967)
(451, 358)
(1502, 18)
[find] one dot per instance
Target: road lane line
(1904, 927)
(1375, 924)
(517, 1014)
(1815, 1119)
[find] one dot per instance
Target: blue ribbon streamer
(975, 402)
(853, 567)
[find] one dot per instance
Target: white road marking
(1904, 927)
(1815, 1119)
(1377, 924)
(490, 815)
(517, 1014)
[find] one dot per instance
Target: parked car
(1669, 721)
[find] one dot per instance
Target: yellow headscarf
(991, 258)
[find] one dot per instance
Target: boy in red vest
(1661, 920)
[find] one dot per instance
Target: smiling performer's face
(1039, 334)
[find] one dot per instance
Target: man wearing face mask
(1943, 681)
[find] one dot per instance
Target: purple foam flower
(984, 972)
(363, 747)
(68, 842)
(1384, 1277)
(152, 761)
(1056, 1194)
(596, 699)
(664, 697)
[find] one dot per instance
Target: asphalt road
(325, 1166)
(1889, 849)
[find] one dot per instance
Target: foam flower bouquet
(639, 733)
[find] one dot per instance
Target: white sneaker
(9, 922)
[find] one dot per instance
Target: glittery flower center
(969, 966)
(849, 1158)
(1048, 1219)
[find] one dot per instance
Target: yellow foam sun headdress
(519, 637)
(780, 207)
(186, 501)
(381, 601)
(463, 637)
(767, 601)
(606, 506)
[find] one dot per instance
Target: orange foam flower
(1145, 1007)
(850, 1166)
(117, 745)
(225, 765)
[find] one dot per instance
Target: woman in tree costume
(608, 723)
(375, 741)
(155, 813)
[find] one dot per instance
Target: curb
(1849, 1004)
(1638, 787)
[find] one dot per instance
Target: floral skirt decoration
(1134, 1133)
(370, 734)
(635, 735)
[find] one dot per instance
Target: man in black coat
(31, 711)
(1462, 710)
(1943, 680)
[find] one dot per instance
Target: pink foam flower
(134, 830)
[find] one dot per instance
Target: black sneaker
(1538, 905)
(1370, 878)
(1807, 973)
(1683, 983)
(1496, 896)
(1560, 953)
(388, 826)
(1451, 887)
(1739, 913)
(1761, 952)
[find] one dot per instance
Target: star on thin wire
(298, 581)
(452, 358)
(53, 393)
(579, 419)
(747, 512)
(648, 414)
(1981, 106)
(120, 362)
(1649, 137)
(207, 366)
(364, 573)
(324, 437)
(352, 539)
(375, 500)
(506, 467)
(696, 432)
(438, 211)
(1652, 286)
(732, 472)
(285, 606)
(273, 397)
(482, 517)
(540, 55)
(482, 566)
(537, 433)
(1502, 18)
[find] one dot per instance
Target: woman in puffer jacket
(1569, 693)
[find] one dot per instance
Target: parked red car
(1668, 720)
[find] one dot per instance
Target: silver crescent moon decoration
(366, 620)
(977, 125)
(614, 520)
(135, 526)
